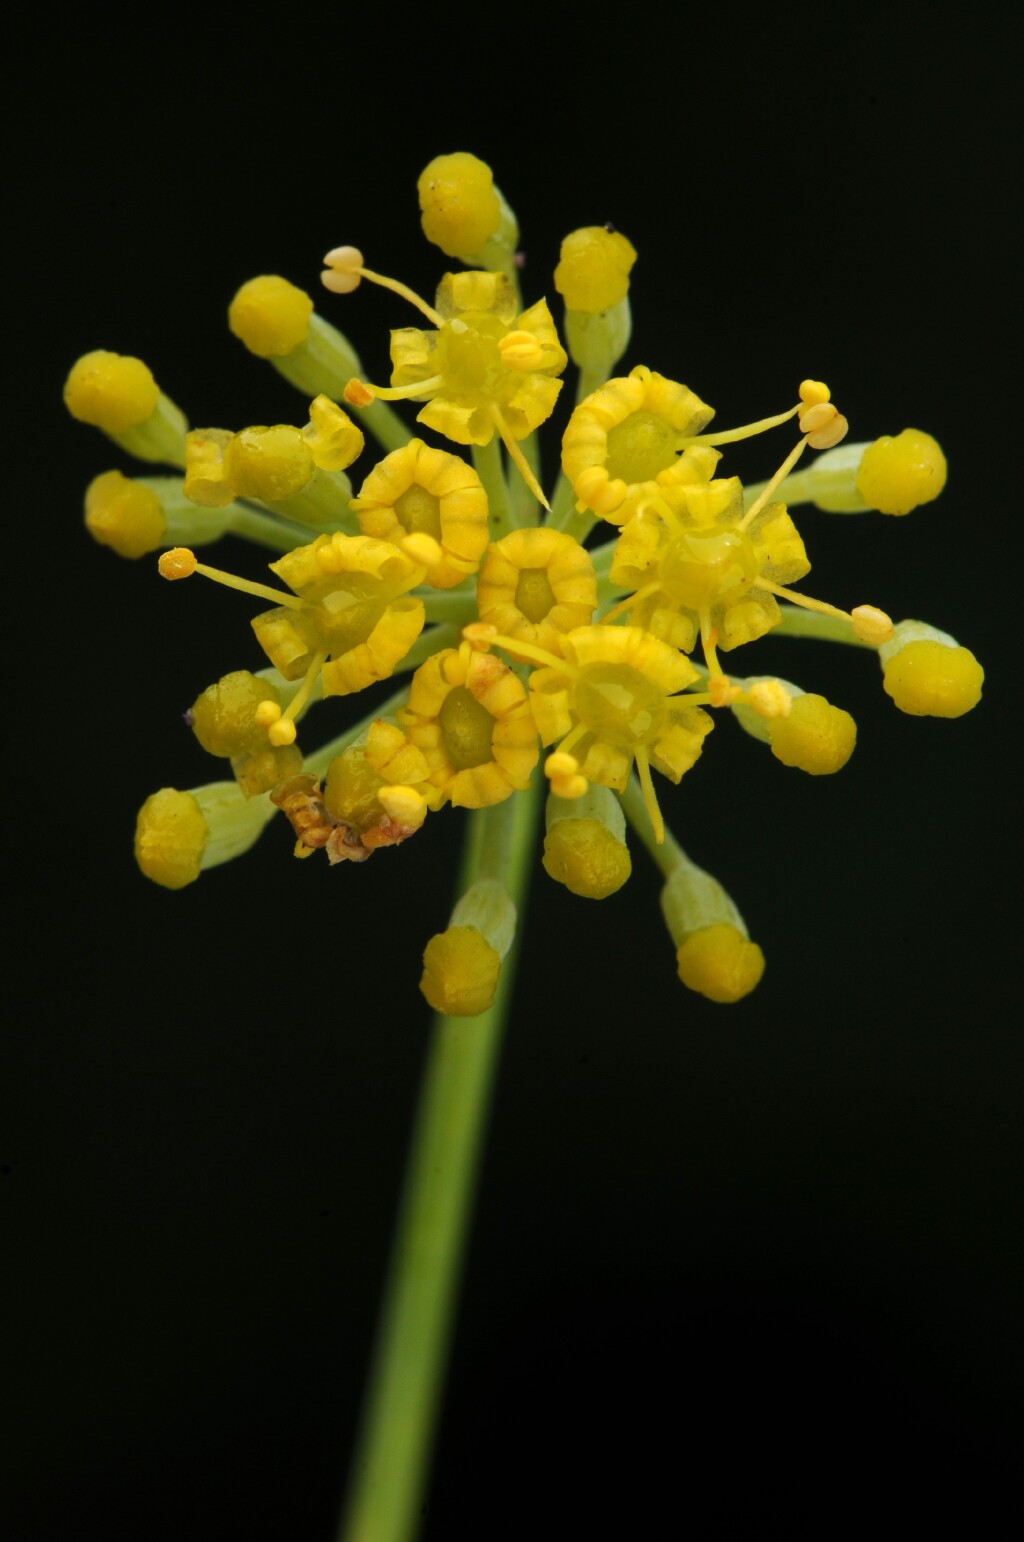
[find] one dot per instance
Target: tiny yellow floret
(720, 963)
(170, 837)
(929, 679)
(112, 391)
(179, 562)
(460, 972)
(270, 316)
(458, 203)
(124, 514)
(897, 474)
(594, 267)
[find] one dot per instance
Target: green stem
(389, 1474)
(488, 467)
(524, 504)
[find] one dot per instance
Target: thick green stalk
(390, 1471)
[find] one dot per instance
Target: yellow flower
(537, 584)
(615, 699)
(355, 613)
(470, 716)
(688, 561)
(630, 434)
(422, 489)
(484, 368)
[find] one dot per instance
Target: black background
(728, 1265)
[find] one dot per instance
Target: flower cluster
(525, 658)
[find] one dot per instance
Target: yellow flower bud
(459, 205)
(814, 736)
(593, 274)
(112, 391)
(268, 463)
(720, 963)
(585, 856)
(897, 474)
(124, 514)
(460, 972)
(930, 679)
(270, 316)
(170, 835)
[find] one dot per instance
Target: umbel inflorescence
(524, 659)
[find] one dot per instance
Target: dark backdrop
(743, 1264)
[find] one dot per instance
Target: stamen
(360, 393)
(572, 737)
(769, 487)
(643, 767)
(516, 455)
(283, 730)
(474, 635)
(345, 269)
(747, 431)
(181, 563)
(718, 684)
(563, 772)
(629, 601)
(869, 623)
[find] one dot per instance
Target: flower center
(706, 567)
(343, 622)
(534, 594)
(466, 729)
(619, 704)
(419, 510)
(641, 446)
(468, 356)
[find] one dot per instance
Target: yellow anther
(816, 417)
(722, 692)
(357, 394)
(569, 787)
(343, 271)
(404, 805)
(769, 699)
(812, 392)
(521, 350)
(560, 764)
(281, 732)
(871, 624)
(829, 434)
(480, 635)
(179, 562)
(267, 714)
(422, 549)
